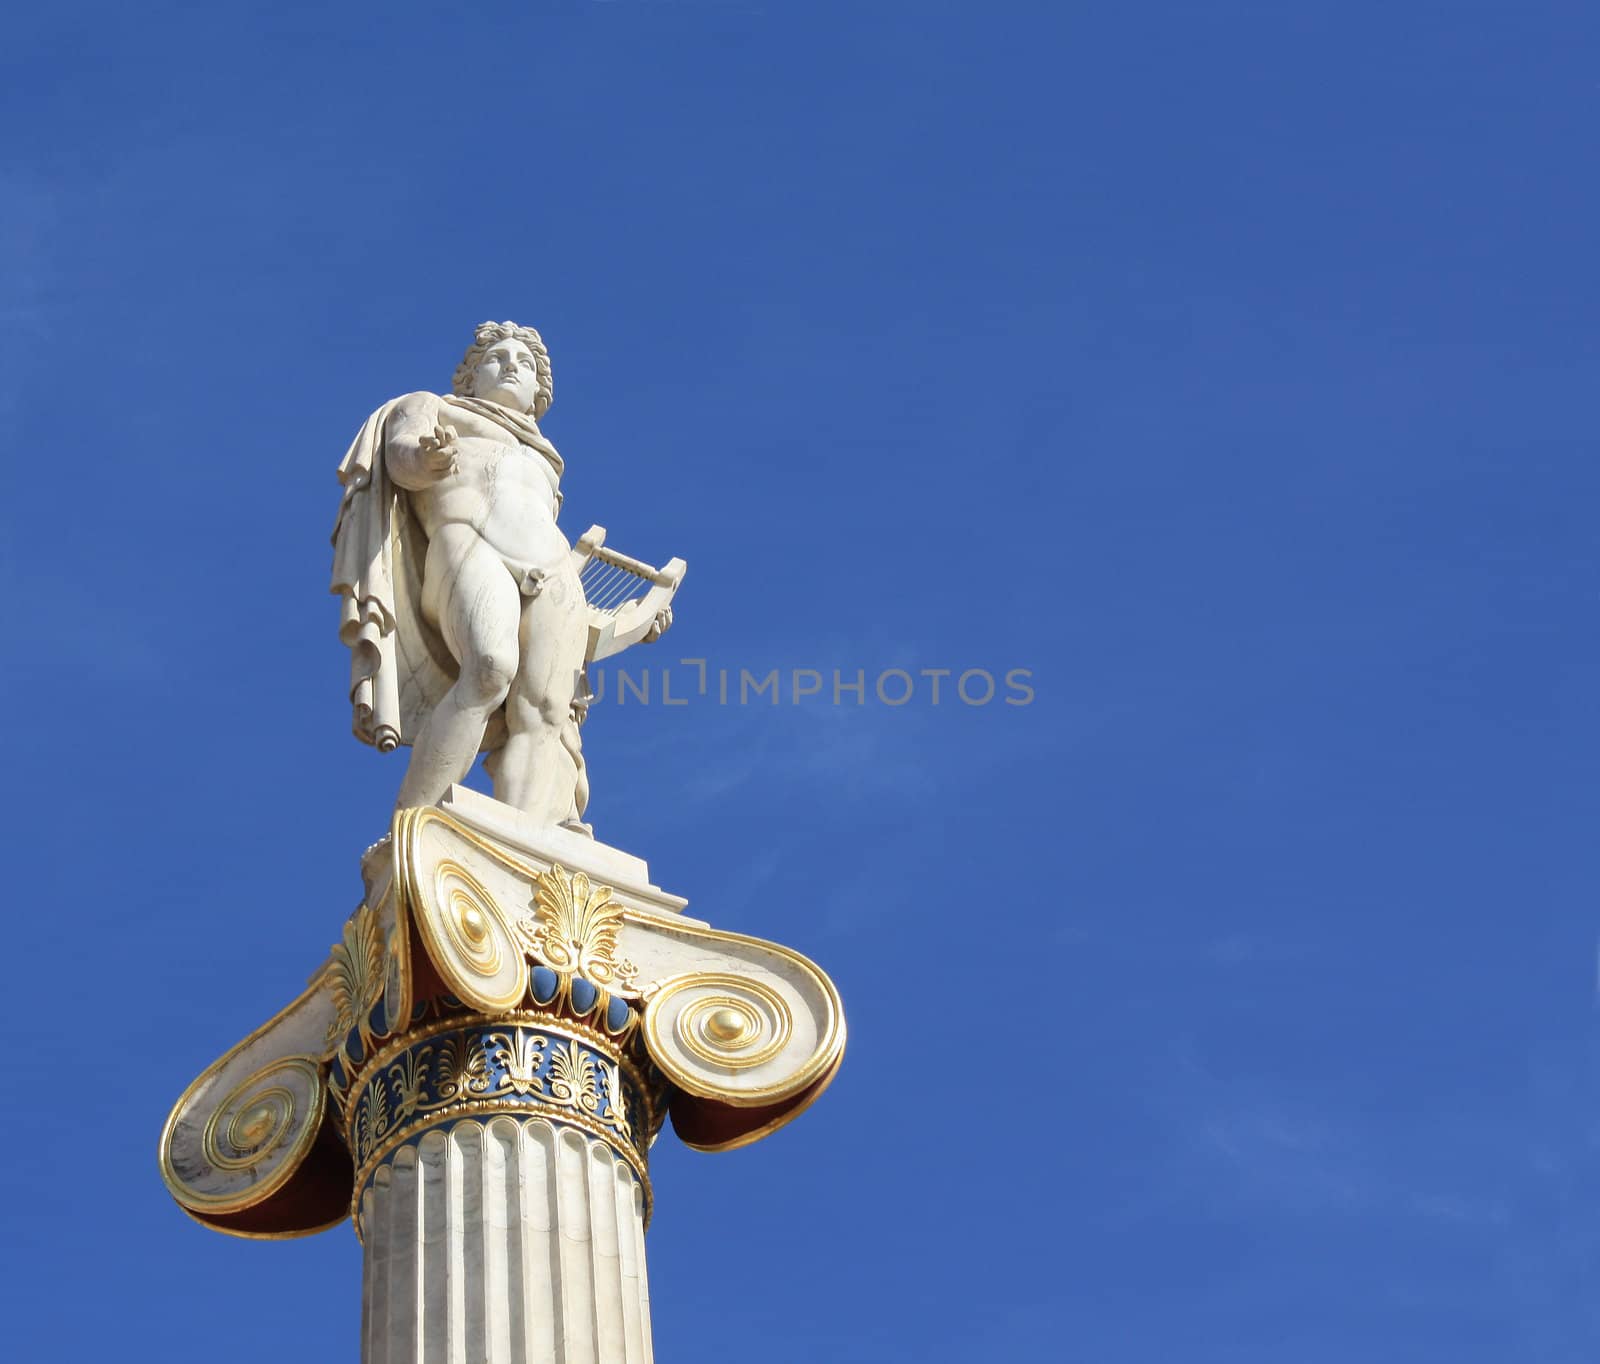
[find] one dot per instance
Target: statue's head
(509, 365)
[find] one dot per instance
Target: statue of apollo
(468, 615)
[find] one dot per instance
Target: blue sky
(1229, 367)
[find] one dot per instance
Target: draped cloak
(400, 667)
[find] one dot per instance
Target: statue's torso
(502, 489)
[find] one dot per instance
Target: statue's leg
(536, 772)
(478, 610)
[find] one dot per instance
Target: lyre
(628, 600)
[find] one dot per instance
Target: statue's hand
(439, 451)
(659, 626)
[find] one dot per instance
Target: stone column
(501, 1198)
(508, 1241)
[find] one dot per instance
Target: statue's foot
(578, 827)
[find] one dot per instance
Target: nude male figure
(498, 581)
(498, 584)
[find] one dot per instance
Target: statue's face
(507, 375)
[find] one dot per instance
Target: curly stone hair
(486, 335)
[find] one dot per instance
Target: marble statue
(463, 604)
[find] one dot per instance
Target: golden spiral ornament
(258, 1116)
(466, 933)
(709, 1030)
(467, 919)
(260, 1122)
(738, 1030)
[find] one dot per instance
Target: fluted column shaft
(505, 1240)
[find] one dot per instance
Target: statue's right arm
(409, 446)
